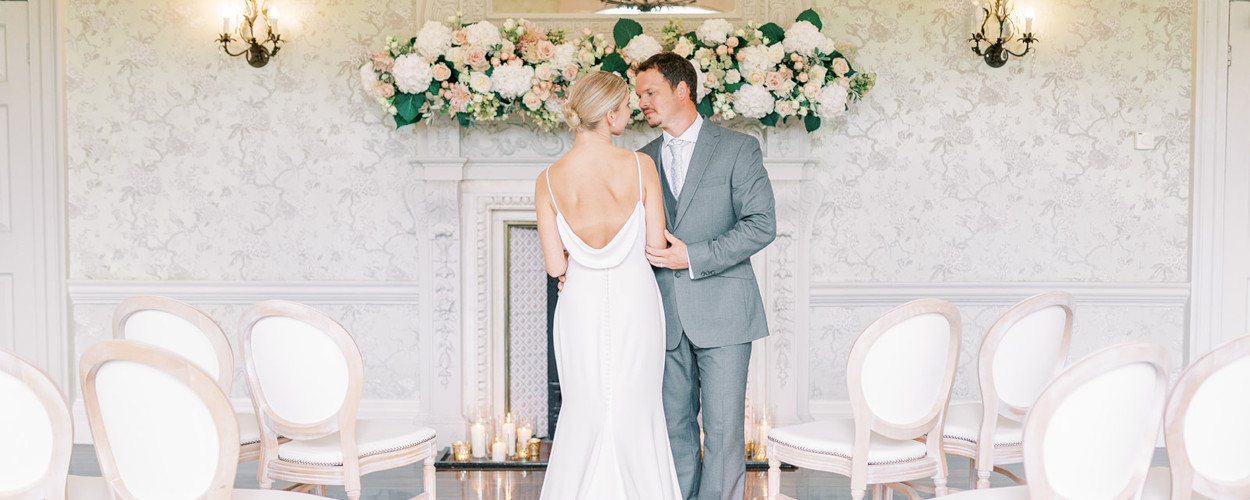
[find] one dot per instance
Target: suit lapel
(709, 136)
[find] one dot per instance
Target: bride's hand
(560, 285)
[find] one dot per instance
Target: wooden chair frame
(1186, 480)
(928, 427)
(211, 330)
(53, 484)
(343, 421)
(180, 370)
(1073, 377)
(986, 456)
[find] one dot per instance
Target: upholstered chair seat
(837, 438)
(373, 437)
(963, 423)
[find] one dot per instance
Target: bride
(598, 206)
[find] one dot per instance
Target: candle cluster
(509, 440)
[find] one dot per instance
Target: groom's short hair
(675, 68)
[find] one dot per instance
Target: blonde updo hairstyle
(591, 97)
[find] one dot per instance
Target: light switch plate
(1143, 140)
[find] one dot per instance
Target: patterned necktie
(676, 166)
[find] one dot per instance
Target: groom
(719, 205)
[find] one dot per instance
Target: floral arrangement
(479, 72)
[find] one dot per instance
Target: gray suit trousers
(717, 378)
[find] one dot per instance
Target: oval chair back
(303, 368)
(134, 394)
(1208, 425)
(179, 328)
(36, 433)
(1092, 432)
(1023, 351)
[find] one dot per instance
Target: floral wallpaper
(952, 170)
(185, 164)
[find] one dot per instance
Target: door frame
(48, 125)
(1210, 135)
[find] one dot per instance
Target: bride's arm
(653, 202)
(553, 248)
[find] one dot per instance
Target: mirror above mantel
(612, 8)
(578, 14)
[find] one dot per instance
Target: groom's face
(656, 99)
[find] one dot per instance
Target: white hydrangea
(512, 80)
(753, 101)
(483, 34)
(714, 31)
(566, 54)
(412, 74)
(755, 58)
(433, 39)
(827, 46)
(642, 47)
(701, 82)
(479, 82)
(803, 37)
(683, 47)
(831, 101)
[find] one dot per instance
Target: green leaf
(409, 105)
(810, 16)
(400, 121)
(624, 31)
(811, 122)
(705, 106)
(773, 32)
(770, 120)
(614, 63)
(463, 118)
(733, 87)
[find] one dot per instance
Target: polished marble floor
(404, 483)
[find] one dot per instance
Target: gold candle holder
(522, 451)
(460, 451)
(750, 450)
(533, 448)
(761, 452)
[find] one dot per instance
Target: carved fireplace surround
(475, 181)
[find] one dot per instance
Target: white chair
(1091, 433)
(135, 393)
(37, 437)
(1019, 355)
(306, 375)
(899, 376)
(1207, 428)
(187, 332)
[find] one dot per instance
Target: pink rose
(384, 90)
(460, 37)
(544, 51)
(775, 80)
(802, 78)
(383, 62)
(840, 67)
(569, 73)
(756, 78)
(475, 57)
(441, 72)
(543, 91)
(532, 101)
(732, 41)
(543, 72)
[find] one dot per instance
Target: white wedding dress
(611, 441)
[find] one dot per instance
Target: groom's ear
(682, 89)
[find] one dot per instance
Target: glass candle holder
(534, 446)
(460, 451)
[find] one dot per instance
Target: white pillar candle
(509, 434)
(523, 435)
(477, 440)
(497, 451)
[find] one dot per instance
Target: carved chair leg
(857, 494)
(429, 480)
(878, 491)
(774, 477)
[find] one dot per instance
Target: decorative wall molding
(111, 292)
(1087, 294)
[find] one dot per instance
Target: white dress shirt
(691, 135)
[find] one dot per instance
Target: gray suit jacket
(725, 215)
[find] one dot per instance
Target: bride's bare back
(596, 189)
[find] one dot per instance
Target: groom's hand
(673, 257)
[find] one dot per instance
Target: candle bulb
(273, 20)
(225, 20)
(1028, 19)
(497, 451)
(477, 437)
(509, 434)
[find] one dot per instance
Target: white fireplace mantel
(474, 180)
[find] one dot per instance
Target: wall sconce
(996, 53)
(256, 25)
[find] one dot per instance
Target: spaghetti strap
(547, 174)
(638, 162)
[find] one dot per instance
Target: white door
(1237, 176)
(20, 330)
